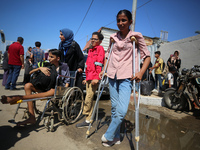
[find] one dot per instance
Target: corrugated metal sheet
(152, 49)
(106, 33)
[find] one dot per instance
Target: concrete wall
(189, 51)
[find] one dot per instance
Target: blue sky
(41, 20)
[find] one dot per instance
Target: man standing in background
(15, 62)
(37, 55)
(158, 66)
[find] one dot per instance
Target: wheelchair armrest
(72, 75)
(72, 79)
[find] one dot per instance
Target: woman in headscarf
(175, 61)
(72, 54)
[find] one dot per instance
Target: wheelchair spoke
(73, 105)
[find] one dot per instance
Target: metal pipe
(134, 7)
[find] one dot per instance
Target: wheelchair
(67, 103)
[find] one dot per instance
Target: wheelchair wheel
(72, 106)
(51, 128)
(49, 122)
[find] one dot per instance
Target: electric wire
(108, 23)
(137, 9)
(144, 4)
(150, 23)
(84, 17)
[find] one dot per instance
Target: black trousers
(175, 79)
(79, 80)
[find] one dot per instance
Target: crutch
(99, 94)
(137, 102)
(22, 101)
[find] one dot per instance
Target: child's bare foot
(13, 99)
(31, 121)
(4, 99)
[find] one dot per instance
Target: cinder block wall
(189, 51)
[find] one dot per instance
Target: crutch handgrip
(112, 40)
(133, 39)
(17, 102)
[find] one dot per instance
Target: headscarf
(69, 37)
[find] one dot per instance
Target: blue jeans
(120, 91)
(158, 79)
(14, 71)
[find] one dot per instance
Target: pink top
(96, 54)
(121, 58)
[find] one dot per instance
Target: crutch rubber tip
(133, 39)
(137, 138)
(87, 133)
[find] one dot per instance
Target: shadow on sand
(11, 135)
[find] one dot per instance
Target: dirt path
(158, 126)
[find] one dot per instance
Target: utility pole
(134, 7)
(137, 102)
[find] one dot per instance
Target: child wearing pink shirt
(120, 73)
(94, 65)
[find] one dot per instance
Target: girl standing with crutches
(120, 73)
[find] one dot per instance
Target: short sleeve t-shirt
(170, 78)
(38, 55)
(14, 51)
(159, 69)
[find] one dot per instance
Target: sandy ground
(68, 136)
(38, 137)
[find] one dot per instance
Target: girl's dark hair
(29, 48)
(55, 52)
(126, 12)
(100, 36)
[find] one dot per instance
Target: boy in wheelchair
(61, 68)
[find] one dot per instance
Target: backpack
(164, 69)
(44, 63)
(165, 79)
(42, 82)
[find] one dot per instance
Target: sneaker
(117, 141)
(107, 143)
(82, 125)
(154, 90)
(111, 143)
(103, 139)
